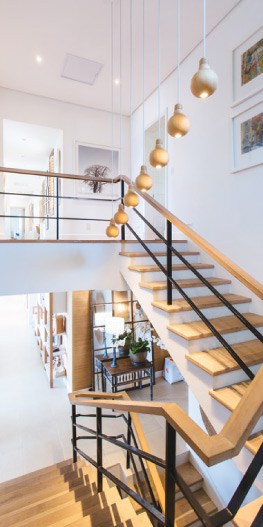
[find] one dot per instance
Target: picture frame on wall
(248, 67)
(247, 133)
(99, 162)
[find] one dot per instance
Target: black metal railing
(172, 476)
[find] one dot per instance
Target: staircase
(212, 374)
(66, 494)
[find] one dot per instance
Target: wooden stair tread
(175, 267)
(185, 515)
(184, 283)
(106, 517)
(247, 513)
(218, 361)
(188, 472)
(228, 324)
(142, 520)
(159, 253)
(207, 301)
(61, 513)
(230, 396)
(254, 442)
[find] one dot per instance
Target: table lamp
(115, 327)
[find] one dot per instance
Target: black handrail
(172, 477)
(168, 243)
(219, 337)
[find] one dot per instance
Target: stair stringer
(198, 380)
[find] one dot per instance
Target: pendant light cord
(143, 86)
(120, 58)
(158, 72)
(112, 109)
(204, 28)
(131, 90)
(178, 50)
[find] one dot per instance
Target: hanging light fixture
(131, 199)
(112, 230)
(204, 82)
(178, 125)
(143, 181)
(159, 157)
(120, 217)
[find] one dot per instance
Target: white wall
(78, 123)
(224, 207)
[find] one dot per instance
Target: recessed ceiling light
(39, 59)
(117, 82)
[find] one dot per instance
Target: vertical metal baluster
(128, 460)
(169, 263)
(170, 473)
(74, 433)
(57, 200)
(123, 226)
(99, 450)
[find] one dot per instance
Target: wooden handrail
(212, 450)
(245, 278)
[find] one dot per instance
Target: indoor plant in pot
(124, 341)
(138, 351)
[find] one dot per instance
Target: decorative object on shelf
(247, 129)
(100, 321)
(124, 342)
(121, 217)
(138, 351)
(159, 157)
(112, 230)
(131, 199)
(178, 125)
(204, 82)
(115, 327)
(248, 67)
(143, 181)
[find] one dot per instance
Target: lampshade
(204, 82)
(112, 230)
(178, 125)
(159, 157)
(120, 216)
(114, 325)
(131, 199)
(100, 318)
(143, 181)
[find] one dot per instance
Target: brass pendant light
(112, 230)
(120, 217)
(204, 82)
(178, 125)
(159, 157)
(131, 199)
(144, 181)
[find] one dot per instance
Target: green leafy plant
(139, 346)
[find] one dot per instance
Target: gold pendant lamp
(178, 125)
(112, 230)
(159, 157)
(143, 181)
(205, 80)
(120, 217)
(131, 199)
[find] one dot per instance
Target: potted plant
(138, 351)
(124, 341)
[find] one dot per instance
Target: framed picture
(99, 162)
(248, 67)
(247, 129)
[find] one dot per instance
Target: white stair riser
(147, 260)
(212, 312)
(190, 291)
(154, 247)
(220, 410)
(157, 276)
(233, 377)
(212, 342)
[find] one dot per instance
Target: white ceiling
(53, 28)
